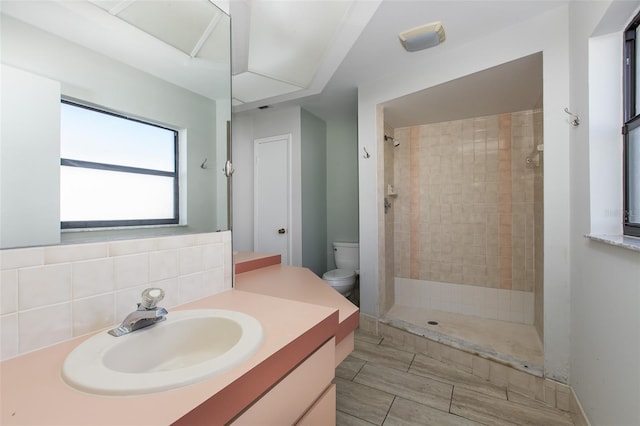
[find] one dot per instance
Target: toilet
(347, 257)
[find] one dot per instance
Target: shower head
(396, 142)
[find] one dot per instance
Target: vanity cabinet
(305, 396)
(323, 412)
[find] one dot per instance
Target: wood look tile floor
(385, 385)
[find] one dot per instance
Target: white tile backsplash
(123, 248)
(8, 336)
(93, 277)
(176, 242)
(51, 294)
(75, 252)
(8, 291)
(44, 285)
(21, 258)
(132, 270)
(163, 264)
(215, 281)
(213, 256)
(93, 313)
(44, 326)
(191, 287)
(484, 302)
(190, 260)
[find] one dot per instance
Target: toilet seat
(339, 276)
(341, 280)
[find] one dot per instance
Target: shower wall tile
(483, 302)
(467, 211)
(77, 292)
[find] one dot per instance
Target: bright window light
(115, 170)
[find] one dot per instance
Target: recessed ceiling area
(509, 87)
(285, 50)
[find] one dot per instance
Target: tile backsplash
(51, 294)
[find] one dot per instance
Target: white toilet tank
(347, 255)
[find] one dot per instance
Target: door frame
(289, 191)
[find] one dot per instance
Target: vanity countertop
(32, 390)
(302, 285)
(244, 261)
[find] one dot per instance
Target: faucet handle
(151, 297)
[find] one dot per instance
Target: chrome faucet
(147, 313)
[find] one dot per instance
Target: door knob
(281, 231)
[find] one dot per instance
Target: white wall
(444, 65)
(605, 280)
(248, 126)
(30, 125)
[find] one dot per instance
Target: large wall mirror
(158, 63)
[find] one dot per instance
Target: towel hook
(575, 120)
(366, 153)
(204, 164)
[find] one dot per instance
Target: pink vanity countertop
(33, 393)
(302, 285)
(245, 261)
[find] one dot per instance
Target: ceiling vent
(422, 37)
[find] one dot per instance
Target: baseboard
(550, 392)
(577, 412)
(369, 324)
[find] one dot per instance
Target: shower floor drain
(432, 322)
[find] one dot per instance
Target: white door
(271, 196)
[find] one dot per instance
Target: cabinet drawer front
(323, 412)
(287, 401)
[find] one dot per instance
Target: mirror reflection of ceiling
(189, 26)
(186, 42)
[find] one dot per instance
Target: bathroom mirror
(162, 62)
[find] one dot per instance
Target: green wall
(342, 183)
(314, 192)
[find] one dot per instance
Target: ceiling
(509, 87)
(377, 54)
(285, 50)
(312, 53)
(185, 42)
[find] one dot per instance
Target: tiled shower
(464, 231)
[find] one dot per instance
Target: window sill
(630, 243)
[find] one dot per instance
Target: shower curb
(437, 346)
(470, 347)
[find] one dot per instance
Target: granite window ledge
(630, 243)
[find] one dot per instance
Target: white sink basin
(188, 347)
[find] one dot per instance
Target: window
(115, 170)
(631, 129)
